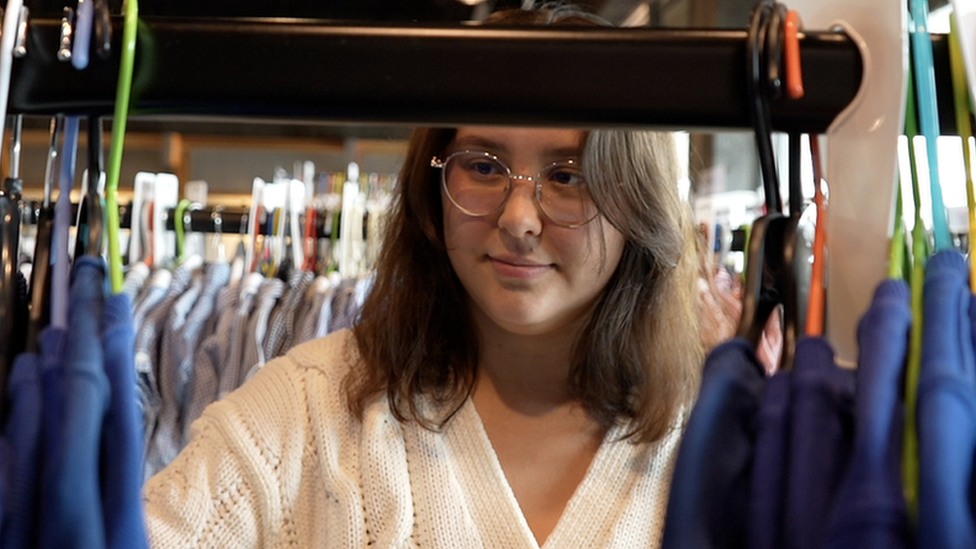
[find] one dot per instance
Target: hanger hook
(759, 102)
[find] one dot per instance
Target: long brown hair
(637, 360)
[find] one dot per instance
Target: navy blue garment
(76, 394)
(946, 407)
(122, 438)
(821, 441)
(870, 510)
(709, 497)
(769, 465)
(22, 437)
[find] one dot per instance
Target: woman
(518, 377)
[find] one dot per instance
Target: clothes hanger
(60, 258)
(310, 236)
(103, 29)
(217, 239)
(253, 222)
(83, 27)
(11, 322)
(123, 93)
(294, 204)
(309, 232)
(800, 256)
(40, 286)
(90, 212)
(180, 222)
(814, 325)
(928, 109)
(13, 13)
(791, 49)
(921, 248)
(963, 112)
(769, 278)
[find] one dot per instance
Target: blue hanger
(928, 114)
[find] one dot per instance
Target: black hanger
(103, 29)
(90, 218)
(40, 286)
(769, 277)
(12, 320)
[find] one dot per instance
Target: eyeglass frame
(436, 162)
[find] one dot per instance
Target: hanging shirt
(870, 510)
(946, 407)
(151, 295)
(174, 356)
(230, 372)
(22, 451)
(122, 439)
(710, 491)
(344, 305)
(148, 338)
(769, 478)
(821, 438)
(257, 327)
(325, 313)
(76, 394)
(310, 308)
(281, 324)
(135, 280)
(209, 359)
(198, 322)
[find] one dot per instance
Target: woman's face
(523, 272)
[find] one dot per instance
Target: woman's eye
(484, 168)
(566, 176)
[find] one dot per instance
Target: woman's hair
(638, 358)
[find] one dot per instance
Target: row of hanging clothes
(814, 454)
(204, 326)
(71, 443)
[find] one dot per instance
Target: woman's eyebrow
(479, 142)
(564, 152)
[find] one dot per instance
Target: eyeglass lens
(479, 184)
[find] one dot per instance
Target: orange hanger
(815, 305)
(794, 75)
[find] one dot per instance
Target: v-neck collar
(590, 512)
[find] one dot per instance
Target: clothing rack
(204, 220)
(323, 71)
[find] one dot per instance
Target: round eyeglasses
(479, 183)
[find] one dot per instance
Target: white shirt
(281, 462)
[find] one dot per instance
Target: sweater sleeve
(229, 486)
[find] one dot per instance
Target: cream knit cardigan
(282, 463)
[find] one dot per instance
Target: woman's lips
(518, 268)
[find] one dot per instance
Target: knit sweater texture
(282, 463)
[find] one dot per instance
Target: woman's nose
(520, 215)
